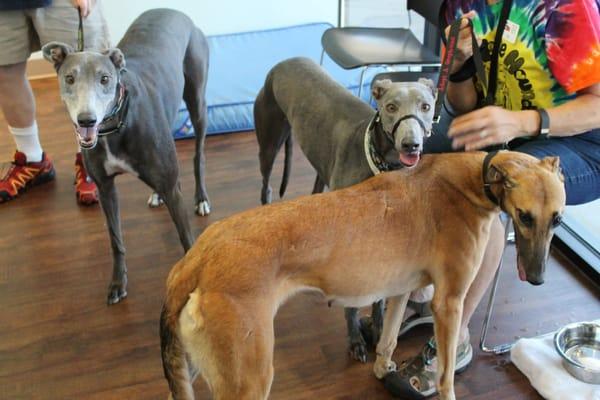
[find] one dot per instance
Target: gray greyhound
(342, 137)
(123, 117)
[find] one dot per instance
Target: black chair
(405, 76)
(354, 47)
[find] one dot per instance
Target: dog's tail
(175, 366)
(287, 165)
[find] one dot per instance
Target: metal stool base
(505, 347)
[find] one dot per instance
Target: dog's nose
(86, 120)
(410, 146)
(536, 281)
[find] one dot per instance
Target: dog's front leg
(389, 336)
(447, 312)
(377, 315)
(117, 290)
(358, 346)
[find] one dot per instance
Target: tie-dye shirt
(550, 48)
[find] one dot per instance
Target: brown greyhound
(411, 227)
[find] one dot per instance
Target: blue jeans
(579, 157)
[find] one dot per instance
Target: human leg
(30, 166)
(579, 161)
(60, 22)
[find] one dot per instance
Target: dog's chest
(115, 165)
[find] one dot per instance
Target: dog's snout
(536, 281)
(86, 120)
(410, 146)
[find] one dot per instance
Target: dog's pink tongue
(409, 159)
(87, 134)
(522, 274)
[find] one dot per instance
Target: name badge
(511, 31)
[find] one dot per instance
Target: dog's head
(88, 85)
(532, 192)
(406, 110)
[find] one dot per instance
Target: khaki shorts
(25, 31)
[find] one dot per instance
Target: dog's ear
(380, 87)
(430, 85)
(553, 165)
(498, 174)
(117, 57)
(56, 52)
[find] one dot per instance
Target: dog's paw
(117, 291)
(266, 195)
(203, 208)
(382, 367)
(155, 201)
(358, 351)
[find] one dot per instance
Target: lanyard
(80, 31)
(451, 44)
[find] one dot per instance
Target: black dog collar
(376, 161)
(115, 120)
(487, 185)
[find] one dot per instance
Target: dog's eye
(69, 79)
(556, 220)
(526, 218)
(425, 107)
(104, 79)
(391, 108)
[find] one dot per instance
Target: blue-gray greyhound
(344, 139)
(123, 116)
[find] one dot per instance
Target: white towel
(539, 361)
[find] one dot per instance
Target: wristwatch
(544, 124)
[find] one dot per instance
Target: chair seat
(405, 76)
(357, 47)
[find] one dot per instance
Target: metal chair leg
(362, 78)
(501, 348)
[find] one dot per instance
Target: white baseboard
(38, 68)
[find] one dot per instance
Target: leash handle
(448, 60)
(489, 83)
(80, 31)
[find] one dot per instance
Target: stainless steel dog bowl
(579, 346)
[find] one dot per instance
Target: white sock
(28, 141)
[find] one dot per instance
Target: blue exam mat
(240, 62)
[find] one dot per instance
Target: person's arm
(495, 125)
(578, 115)
(461, 96)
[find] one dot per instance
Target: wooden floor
(58, 339)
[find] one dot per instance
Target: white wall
(224, 16)
(383, 14)
(215, 17)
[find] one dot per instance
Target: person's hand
(489, 126)
(464, 46)
(85, 6)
